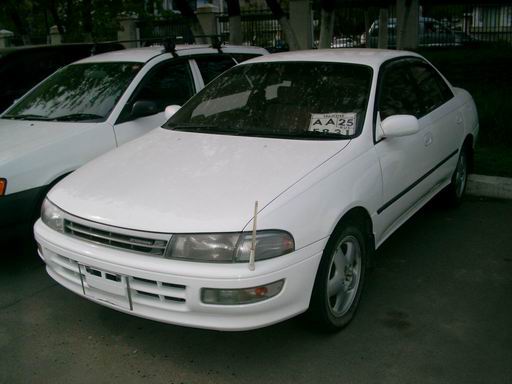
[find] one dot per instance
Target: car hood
(18, 137)
(179, 182)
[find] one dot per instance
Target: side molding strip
(390, 202)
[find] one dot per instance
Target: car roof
(24, 48)
(364, 56)
(145, 54)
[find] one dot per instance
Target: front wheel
(340, 278)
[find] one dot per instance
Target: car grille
(149, 246)
(142, 292)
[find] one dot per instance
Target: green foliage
(37, 16)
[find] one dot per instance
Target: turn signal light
(3, 185)
(241, 296)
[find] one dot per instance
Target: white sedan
(266, 194)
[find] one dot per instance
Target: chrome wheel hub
(460, 175)
(344, 275)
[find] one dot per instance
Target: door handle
(459, 119)
(428, 139)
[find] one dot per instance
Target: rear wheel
(339, 279)
(455, 191)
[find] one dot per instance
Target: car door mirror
(400, 125)
(143, 108)
(171, 110)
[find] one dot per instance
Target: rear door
(442, 109)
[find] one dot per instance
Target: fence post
(383, 28)
(407, 14)
(5, 37)
(55, 36)
(127, 30)
(207, 17)
(301, 22)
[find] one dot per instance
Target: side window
(212, 66)
(433, 89)
(169, 83)
(398, 93)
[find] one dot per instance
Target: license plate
(105, 286)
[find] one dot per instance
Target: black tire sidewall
(320, 311)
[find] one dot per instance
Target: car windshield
(302, 100)
(78, 92)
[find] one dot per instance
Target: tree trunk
(235, 22)
(188, 13)
(327, 23)
(52, 7)
(383, 28)
(289, 34)
(87, 19)
(19, 22)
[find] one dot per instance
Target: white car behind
(90, 107)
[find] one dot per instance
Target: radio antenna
(252, 255)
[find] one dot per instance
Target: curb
(489, 186)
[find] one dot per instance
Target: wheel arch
(360, 216)
(469, 146)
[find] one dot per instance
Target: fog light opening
(241, 296)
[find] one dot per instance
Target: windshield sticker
(338, 123)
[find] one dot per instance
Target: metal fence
(440, 25)
(259, 27)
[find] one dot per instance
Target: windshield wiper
(26, 117)
(203, 128)
(78, 117)
(308, 135)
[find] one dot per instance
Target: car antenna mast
(252, 254)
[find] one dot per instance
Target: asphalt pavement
(437, 309)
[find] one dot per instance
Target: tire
(340, 278)
(452, 195)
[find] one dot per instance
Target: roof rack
(217, 43)
(170, 46)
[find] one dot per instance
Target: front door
(404, 160)
(169, 83)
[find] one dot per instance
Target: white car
(90, 107)
(266, 194)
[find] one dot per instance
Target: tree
(188, 13)
(289, 34)
(14, 12)
(235, 22)
(326, 23)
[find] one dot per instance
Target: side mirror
(143, 108)
(171, 110)
(400, 125)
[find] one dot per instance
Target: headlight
(52, 216)
(229, 247)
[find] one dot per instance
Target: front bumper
(170, 290)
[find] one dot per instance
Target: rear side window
(212, 66)
(433, 89)
(241, 57)
(168, 84)
(398, 92)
